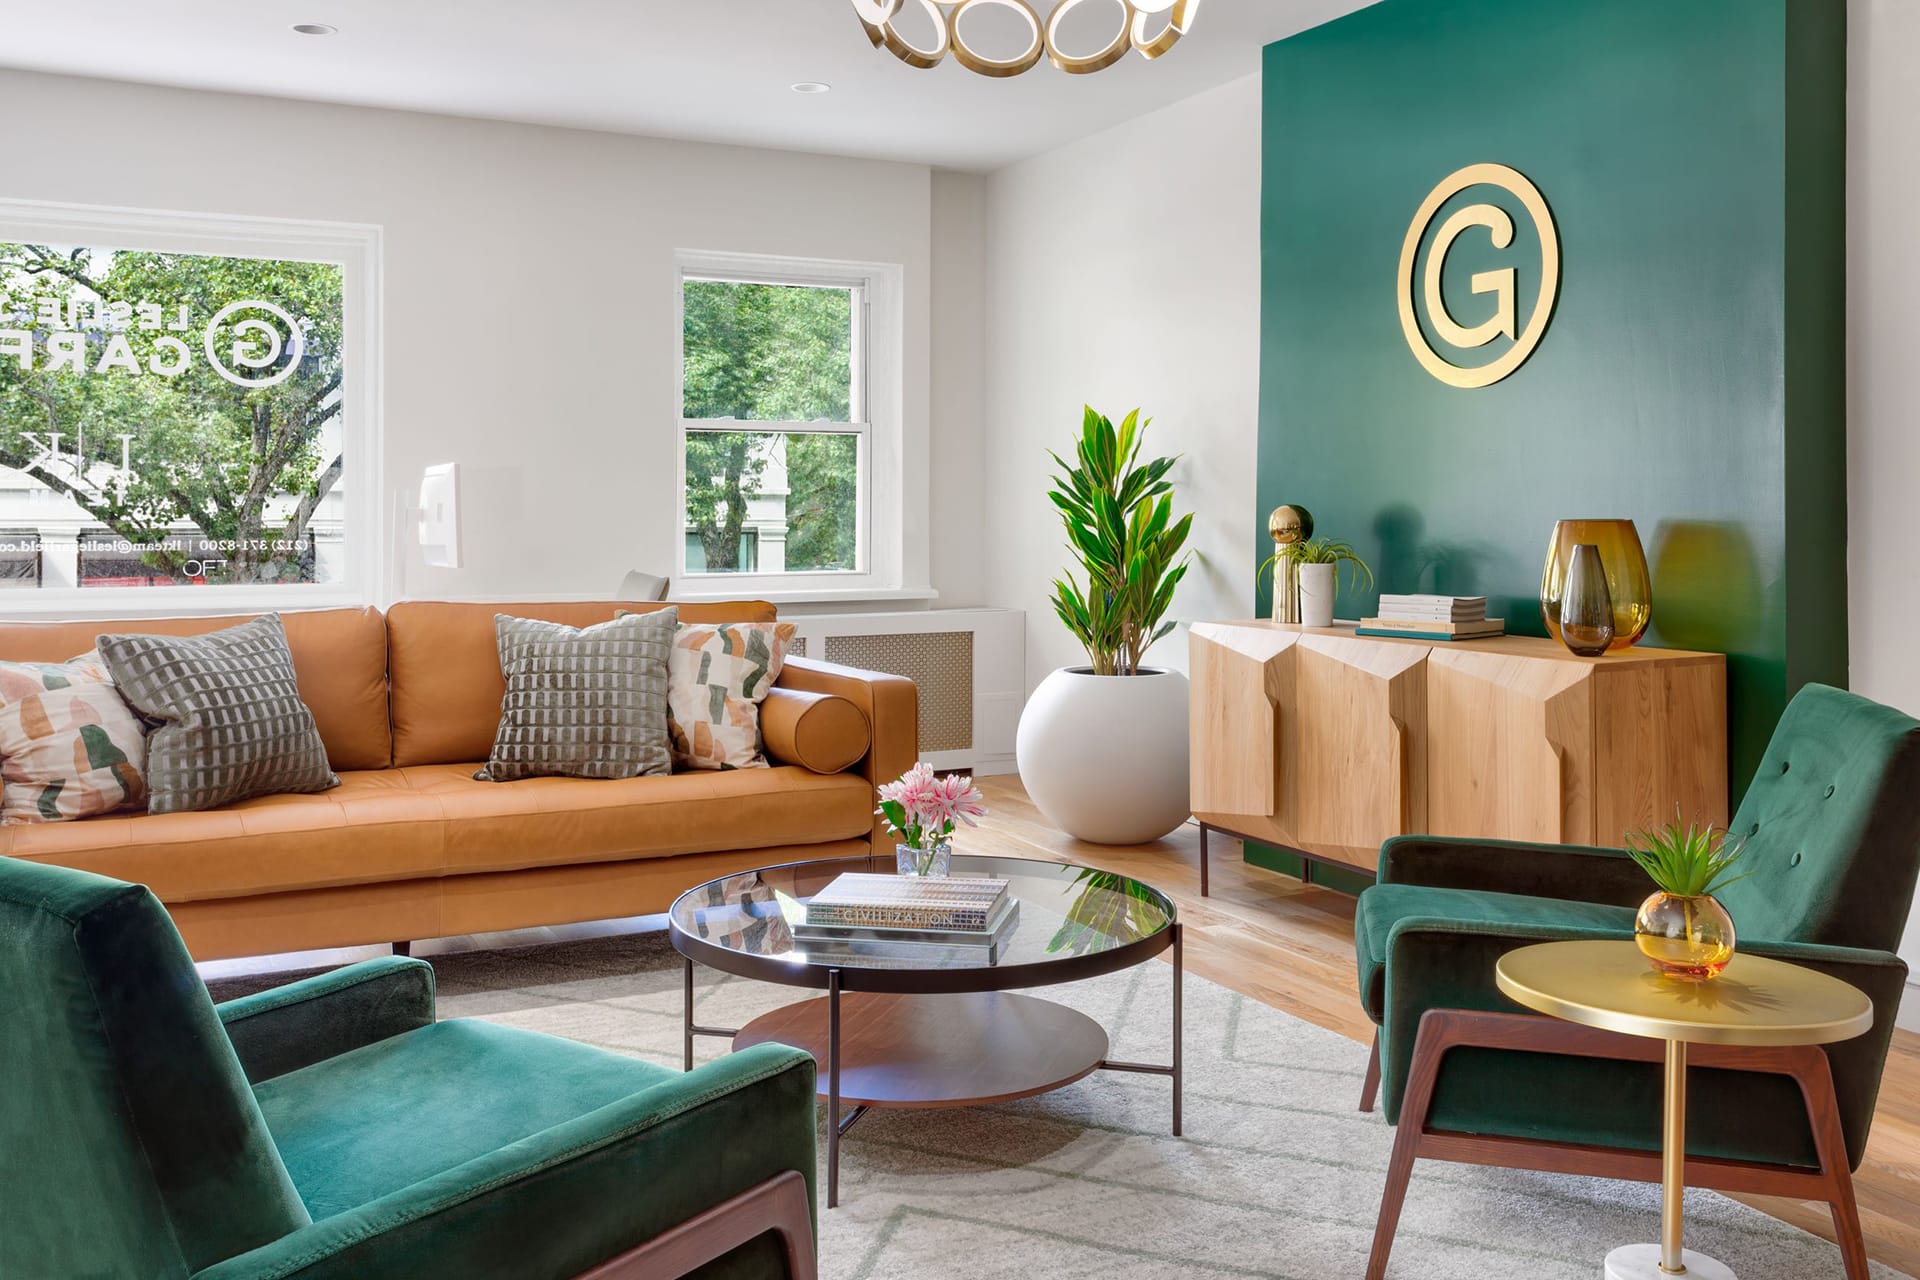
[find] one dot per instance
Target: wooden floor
(1291, 945)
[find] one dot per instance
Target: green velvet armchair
(332, 1128)
(1832, 824)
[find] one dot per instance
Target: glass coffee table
(941, 1032)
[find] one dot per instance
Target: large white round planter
(1105, 757)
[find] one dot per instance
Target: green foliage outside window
(245, 466)
(771, 353)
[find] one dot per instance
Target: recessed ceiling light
(811, 86)
(315, 29)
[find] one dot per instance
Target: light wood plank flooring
(1291, 945)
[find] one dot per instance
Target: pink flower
(930, 806)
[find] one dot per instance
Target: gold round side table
(1756, 1001)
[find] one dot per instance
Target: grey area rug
(1278, 1175)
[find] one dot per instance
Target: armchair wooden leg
(1370, 1087)
(1428, 1049)
(1815, 1078)
(780, 1204)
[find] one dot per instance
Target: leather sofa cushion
(436, 820)
(444, 664)
(819, 731)
(339, 662)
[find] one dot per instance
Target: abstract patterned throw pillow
(70, 747)
(718, 676)
(229, 720)
(582, 702)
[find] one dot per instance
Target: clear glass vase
(1686, 938)
(936, 860)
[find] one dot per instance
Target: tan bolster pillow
(819, 731)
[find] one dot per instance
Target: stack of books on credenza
(933, 922)
(1432, 618)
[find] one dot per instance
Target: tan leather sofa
(411, 846)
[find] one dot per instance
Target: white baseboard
(1909, 1016)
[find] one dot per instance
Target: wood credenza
(1326, 742)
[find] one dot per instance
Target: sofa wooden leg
(1428, 1049)
(403, 948)
(1370, 1087)
(780, 1204)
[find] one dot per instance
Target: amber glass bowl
(1625, 562)
(1690, 939)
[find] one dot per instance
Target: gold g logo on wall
(1503, 284)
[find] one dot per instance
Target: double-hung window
(789, 427)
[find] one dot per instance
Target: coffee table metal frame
(987, 978)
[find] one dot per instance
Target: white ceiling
(710, 70)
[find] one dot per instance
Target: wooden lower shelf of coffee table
(940, 1050)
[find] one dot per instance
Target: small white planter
(1105, 757)
(1316, 594)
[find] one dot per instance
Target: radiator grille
(939, 662)
(798, 648)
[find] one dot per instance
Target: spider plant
(1118, 514)
(1689, 862)
(1325, 551)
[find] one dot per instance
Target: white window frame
(357, 249)
(878, 396)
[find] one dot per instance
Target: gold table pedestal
(1756, 1001)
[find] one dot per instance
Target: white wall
(529, 303)
(959, 387)
(1883, 436)
(1124, 271)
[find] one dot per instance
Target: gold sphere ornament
(1146, 27)
(1290, 524)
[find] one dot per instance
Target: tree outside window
(171, 418)
(770, 499)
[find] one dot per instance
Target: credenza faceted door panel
(1354, 748)
(1329, 743)
(1509, 748)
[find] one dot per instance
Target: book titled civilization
(861, 900)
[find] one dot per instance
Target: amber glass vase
(1686, 938)
(1629, 586)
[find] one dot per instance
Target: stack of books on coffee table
(1432, 618)
(908, 921)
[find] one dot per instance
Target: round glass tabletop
(1070, 923)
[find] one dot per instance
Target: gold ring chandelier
(1137, 31)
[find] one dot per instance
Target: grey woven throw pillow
(229, 720)
(583, 702)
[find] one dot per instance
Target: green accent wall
(1693, 375)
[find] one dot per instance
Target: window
(789, 395)
(185, 408)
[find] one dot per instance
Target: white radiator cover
(970, 665)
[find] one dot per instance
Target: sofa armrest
(562, 1201)
(321, 1017)
(892, 707)
(1570, 872)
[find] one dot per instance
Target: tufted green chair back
(1832, 824)
(132, 1143)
